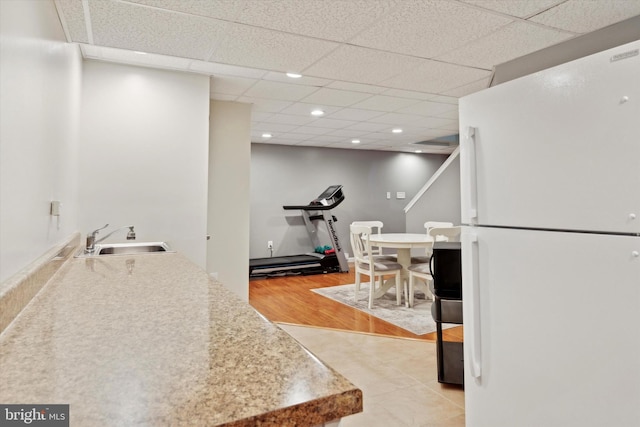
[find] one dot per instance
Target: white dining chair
(376, 228)
(366, 264)
(423, 270)
(428, 226)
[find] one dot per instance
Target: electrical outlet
(270, 244)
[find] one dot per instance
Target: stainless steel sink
(128, 249)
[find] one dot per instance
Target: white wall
(143, 154)
(229, 171)
(40, 84)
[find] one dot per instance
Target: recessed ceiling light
(397, 130)
(355, 141)
(317, 113)
(266, 135)
(294, 75)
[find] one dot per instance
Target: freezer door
(551, 328)
(558, 149)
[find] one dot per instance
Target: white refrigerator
(550, 177)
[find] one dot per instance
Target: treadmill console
(329, 198)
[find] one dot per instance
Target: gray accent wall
(290, 175)
(441, 202)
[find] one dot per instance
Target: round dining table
(402, 243)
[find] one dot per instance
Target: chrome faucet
(91, 237)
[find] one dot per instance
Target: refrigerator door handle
(471, 175)
(475, 362)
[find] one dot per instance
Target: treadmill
(309, 263)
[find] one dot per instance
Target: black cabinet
(446, 269)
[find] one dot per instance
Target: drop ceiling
(370, 65)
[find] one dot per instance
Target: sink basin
(132, 248)
(128, 249)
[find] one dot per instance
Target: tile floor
(398, 378)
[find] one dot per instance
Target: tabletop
(401, 240)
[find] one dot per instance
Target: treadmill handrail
(315, 207)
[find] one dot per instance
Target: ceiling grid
(370, 66)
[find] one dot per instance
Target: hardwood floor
(289, 300)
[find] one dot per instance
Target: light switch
(400, 195)
(55, 208)
(388, 195)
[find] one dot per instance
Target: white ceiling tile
(340, 98)
(428, 108)
(282, 141)
(257, 136)
(257, 116)
(145, 29)
(362, 146)
(445, 99)
(359, 64)
(231, 85)
(327, 138)
(304, 80)
(222, 9)
(73, 20)
(509, 42)
(453, 127)
(265, 105)
(437, 77)
(470, 88)
(277, 90)
(249, 40)
(582, 16)
(289, 119)
(327, 19)
(356, 87)
(400, 139)
(381, 136)
(312, 130)
(354, 114)
(399, 93)
(273, 127)
(429, 28)
(369, 127)
(331, 123)
(519, 8)
(304, 109)
(385, 103)
(295, 136)
(451, 114)
(257, 47)
(397, 119)
(348, 133)
(435, 122)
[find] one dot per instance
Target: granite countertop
(152, 340)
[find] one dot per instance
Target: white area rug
(417, 320)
